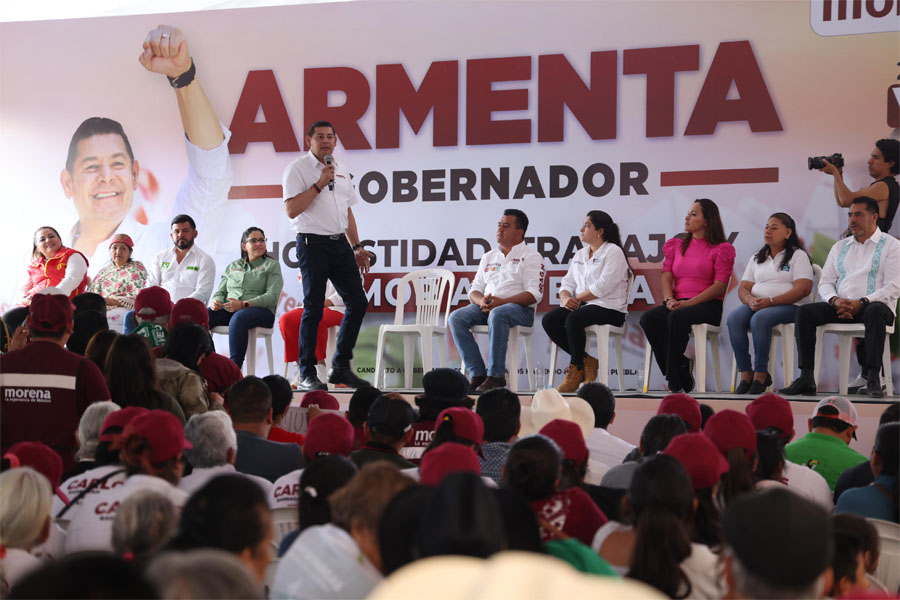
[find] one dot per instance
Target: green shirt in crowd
(825, 454)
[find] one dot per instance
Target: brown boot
(574, 377)
(591, 368)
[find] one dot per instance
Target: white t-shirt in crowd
(808, 484)
(770, 279)
(199, 477)
(15, 565)
(607, 448)
(285, 492)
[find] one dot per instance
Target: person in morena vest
(54, 265)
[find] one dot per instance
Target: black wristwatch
(863, 300)
(355, 246)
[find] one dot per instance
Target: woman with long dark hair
(774, 285)
(248, 293)
(131, 376)
(696, 270)
(593, 292)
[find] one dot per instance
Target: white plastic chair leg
(603, 355)
(844, 363)
(700, 361)
(554, 350)
(620, 366)
(714, 345)
(409, 353)
(512, 355)
(529, 361)
(734, 373)
(648, 358)
(251, 353)
(270, 355)
(886, 362)
(442, 350)
(787, 353)
(379, 358)
(426, 352)
(820, 335)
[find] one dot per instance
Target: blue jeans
(239, 325)
(499, 321)
(760, 324)
(128, 324)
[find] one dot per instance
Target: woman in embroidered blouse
(775, 283)
(696, 270)
(593, 292)
(120, 281)
(248, 293)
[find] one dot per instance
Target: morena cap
(466, 423)
(447, 458)
(189, 310)
(771, 410)
(779, 536)
(329, 433)
(119, 418)
(164, 432)
(153, 302)
(320, 398)
(729, 429)
(567, 435)
(50, 310)
(685, 407)
(700, 457)
(40, 457)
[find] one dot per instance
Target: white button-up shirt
(522, 270)
(328, 212)
(605, 275)
(193, 277)
(870, 269)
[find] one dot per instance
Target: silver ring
(165, 35)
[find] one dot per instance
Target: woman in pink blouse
(697, 267)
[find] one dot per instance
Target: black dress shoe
(309, 383)
(801, 386)
(346, 376)
(758, 387)
(475, 382)
(743, 387)
(687, 376)
(873, 388)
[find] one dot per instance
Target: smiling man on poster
(101, 171)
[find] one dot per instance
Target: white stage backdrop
(448, 113)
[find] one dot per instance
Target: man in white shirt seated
(860, 284)
(214, 449)
(508, 285)
(603, 446)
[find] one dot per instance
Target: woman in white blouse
(593, 292)
(775, 283)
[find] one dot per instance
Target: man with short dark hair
(500, 410)
(861, 475)
(507, 287)
(603, 446)
(877, 500)
(318, 195)
(860, 284)
(250, 407)
(184, 270)
(826, 448)
(44, 388)
(388, 428)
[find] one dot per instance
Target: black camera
(818, 162)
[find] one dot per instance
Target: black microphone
(328, 163)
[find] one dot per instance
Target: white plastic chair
(263, 332)
(602, 333)
(888, 571)
(786, 332)
(846, 332)
(431, 287)
(516, 333)
(701, 333)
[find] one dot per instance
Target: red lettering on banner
(734, 62)
(438, 92)
(482, 101)
(594, 105)
(660, 66)
(345, 118)
(261, 91)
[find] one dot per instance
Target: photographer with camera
(883, 166)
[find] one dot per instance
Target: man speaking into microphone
(318, 194)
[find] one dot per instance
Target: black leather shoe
(742, 388)
(346, 377)
(873, 388)
(758, 387)
(309, 383)
(687, 376)
(475, 382)
(800, 387)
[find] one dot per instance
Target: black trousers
(668, 332)
(874, 316)
(566, 327)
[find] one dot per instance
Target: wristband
(772, 300)
(863, 301)
(355, 246)
(185, 78)
(318, 189)
(246, 303)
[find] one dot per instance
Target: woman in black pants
(593, 292)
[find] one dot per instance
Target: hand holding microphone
(327, 165)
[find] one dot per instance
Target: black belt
(315, 237)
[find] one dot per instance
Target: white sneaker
(857, 385)
(295, 382)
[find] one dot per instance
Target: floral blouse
(124, 282)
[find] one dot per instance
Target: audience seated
(603, 446)
(388, 428)
(446, 458)
(205, 573)
(735, 437)
(144, 524)
(684, 406)
(178, 371)
(499, 410)
(657, 434)
(152, 309)
(861, 474)
(88, 436)
(131, 377)
(25, 500)
(98, 347)
(879, 499)
(442, 388)
(86, 575)
(282, 395)
(867, 534)
(849, 563)
(357, 411)
(219, 371)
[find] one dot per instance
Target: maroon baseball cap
(569, 437)
(447, 458)
(729, 429)
(119, 419)
(771, 410)
(153, 302)
(164, 432)
(700, 457)
(329, 433)
(685, 407)
(466, 424)
(189, 310)
(50, 310)
(40, 457)
(320, 398)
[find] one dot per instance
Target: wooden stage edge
(633, 410)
